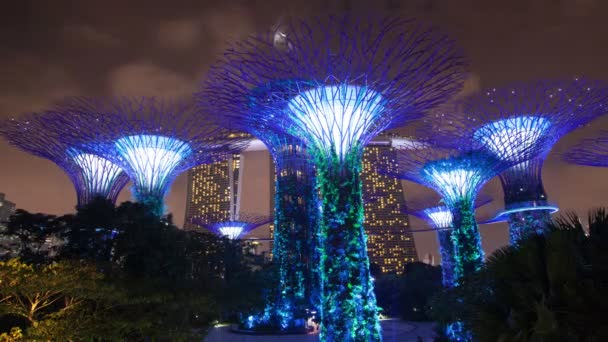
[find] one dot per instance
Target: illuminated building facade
(213, 191)
(390, 243)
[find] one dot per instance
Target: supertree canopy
(590, 152)
(529, 115)
(335, 82)
(236, 226)
(152, 140)
(91, 174)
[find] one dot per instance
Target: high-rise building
(213, 192)
(390, 243)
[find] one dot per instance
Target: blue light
(453, 183)
(504, 215)
(441, 217)
(336, 117)
(152, 159)
(231, 232)
(512, 137)
(99, 174)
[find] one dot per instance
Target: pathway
(393, 330)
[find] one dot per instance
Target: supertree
(335, 82)
(457, 172)
(591, 151)
(90, 174)
(529, 115)
(152, 140)
(296, 214)
(439, 217)
(236, 227)
(296, 230)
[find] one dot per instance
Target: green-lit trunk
(295, 236)
(349, 311)
(468, 254)
(524, 224)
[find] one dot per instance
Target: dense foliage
(408, 295)
(548, 288)
(348, 305)
(121, 273)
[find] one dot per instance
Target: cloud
(147, 79)
(228, 24)
(92, 35)
(33, 85)
(179, 34)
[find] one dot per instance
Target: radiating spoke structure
(236, 227)
(529, 116)
(334, 83)
(591, 151)
(91, 174)
(152, 140)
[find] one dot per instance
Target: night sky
(53, 49)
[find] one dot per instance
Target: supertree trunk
(295, 235)
(154, 203)
(524, 224)
(349, 310)
(446, 248)
(468, 255)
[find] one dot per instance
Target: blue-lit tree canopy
(91, 174)
(236, 227)
(529, 116)
(591, 151)
(152, 140)
(334, 83)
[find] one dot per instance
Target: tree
(34, 232)
(90, 232)
(420, 282)
(549, 288)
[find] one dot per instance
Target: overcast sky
(53, 49)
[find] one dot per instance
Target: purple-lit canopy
(334, 82)
(533, 116)
(91, 174)
(152, 140)
(591, 151)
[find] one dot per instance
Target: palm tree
(549, 288)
